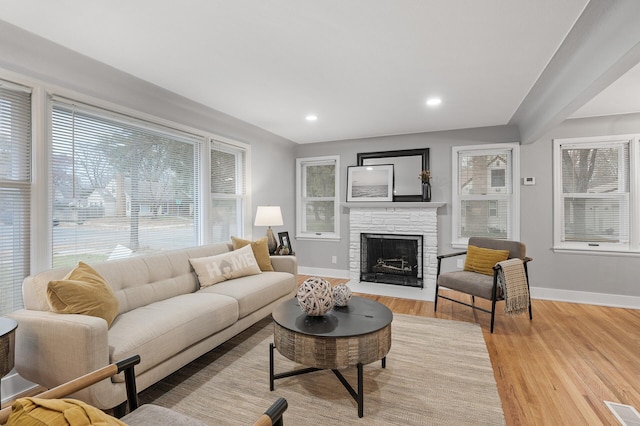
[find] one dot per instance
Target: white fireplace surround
(399, 218)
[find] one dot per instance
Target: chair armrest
(273, 415)
(444, 256)
(528, 259)
(55, 348)
(89, 379)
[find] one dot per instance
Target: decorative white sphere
(315, 297)
(341, 295)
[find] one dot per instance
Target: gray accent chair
(476, 284)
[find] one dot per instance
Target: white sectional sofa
(164, 316)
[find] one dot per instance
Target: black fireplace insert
(391, 259)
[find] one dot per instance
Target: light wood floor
(557, 369)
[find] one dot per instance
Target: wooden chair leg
(435, 301)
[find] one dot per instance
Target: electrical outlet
(460, 263)
(334, 259)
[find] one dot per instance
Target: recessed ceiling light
(311, 117)
(434, 101)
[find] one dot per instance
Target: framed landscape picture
(370, 183)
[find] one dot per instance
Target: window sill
(596, 251)
(307, 237)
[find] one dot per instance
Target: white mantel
(415, 218)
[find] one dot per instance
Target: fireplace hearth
(391, 259)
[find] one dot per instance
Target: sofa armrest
(55, 348)
(285, 264)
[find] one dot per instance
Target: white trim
(488, 149)
(324, 236)
(323, 272)
(14, 385)
(585, 297)
(619, 249)
(540, 293)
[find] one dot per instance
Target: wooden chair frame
(272, 416)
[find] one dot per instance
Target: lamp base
(271, 241)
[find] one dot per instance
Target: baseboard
(13, 386)
(589, 298)
(323, 272)
(558, 295)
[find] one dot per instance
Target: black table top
(360, 316)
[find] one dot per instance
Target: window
(594, 193)
(485, 192)
(15, 193)
(317, 189)
(119, 186)
(228, 190)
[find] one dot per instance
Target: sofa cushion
(214, 269)
(254, 292)
(64, 412)
(83, 291)
(482, 260)
(260, 251)
(479, 285)
(160, 330)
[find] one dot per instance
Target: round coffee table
(348, 336)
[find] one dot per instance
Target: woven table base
(332, 352)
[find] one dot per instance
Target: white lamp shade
(268, 216)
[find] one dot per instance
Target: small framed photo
(370, 183)
(285, 241)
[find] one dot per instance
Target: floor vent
(626, 414)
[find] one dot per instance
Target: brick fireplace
(399, 218)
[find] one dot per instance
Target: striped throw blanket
(512, 280)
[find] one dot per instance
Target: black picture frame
(407, 185)
(285, 241)
(370, 183)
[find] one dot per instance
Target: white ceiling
(364, 67)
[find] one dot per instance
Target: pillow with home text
(235, 264)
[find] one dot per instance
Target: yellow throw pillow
(83, 291)
(234, 264)
(53, 412)
(482, 260)
(260, 251)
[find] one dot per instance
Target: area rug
(438, 372)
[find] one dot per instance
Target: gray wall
(615, 275)
(610, 274)
(317, 254)
(34, 57)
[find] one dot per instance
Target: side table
(7, 345)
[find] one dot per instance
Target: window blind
(595, 192)
(15, 193)
(228, 191)
(486, 193)
(120, 186)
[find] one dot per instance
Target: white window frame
(624, 247)
(243, 201)
(301, 212)
(513, 221)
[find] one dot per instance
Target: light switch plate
(529, 181)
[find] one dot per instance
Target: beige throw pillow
(260, 251)
(83, 291)
(214, 269)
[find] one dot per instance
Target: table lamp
(269, 216)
